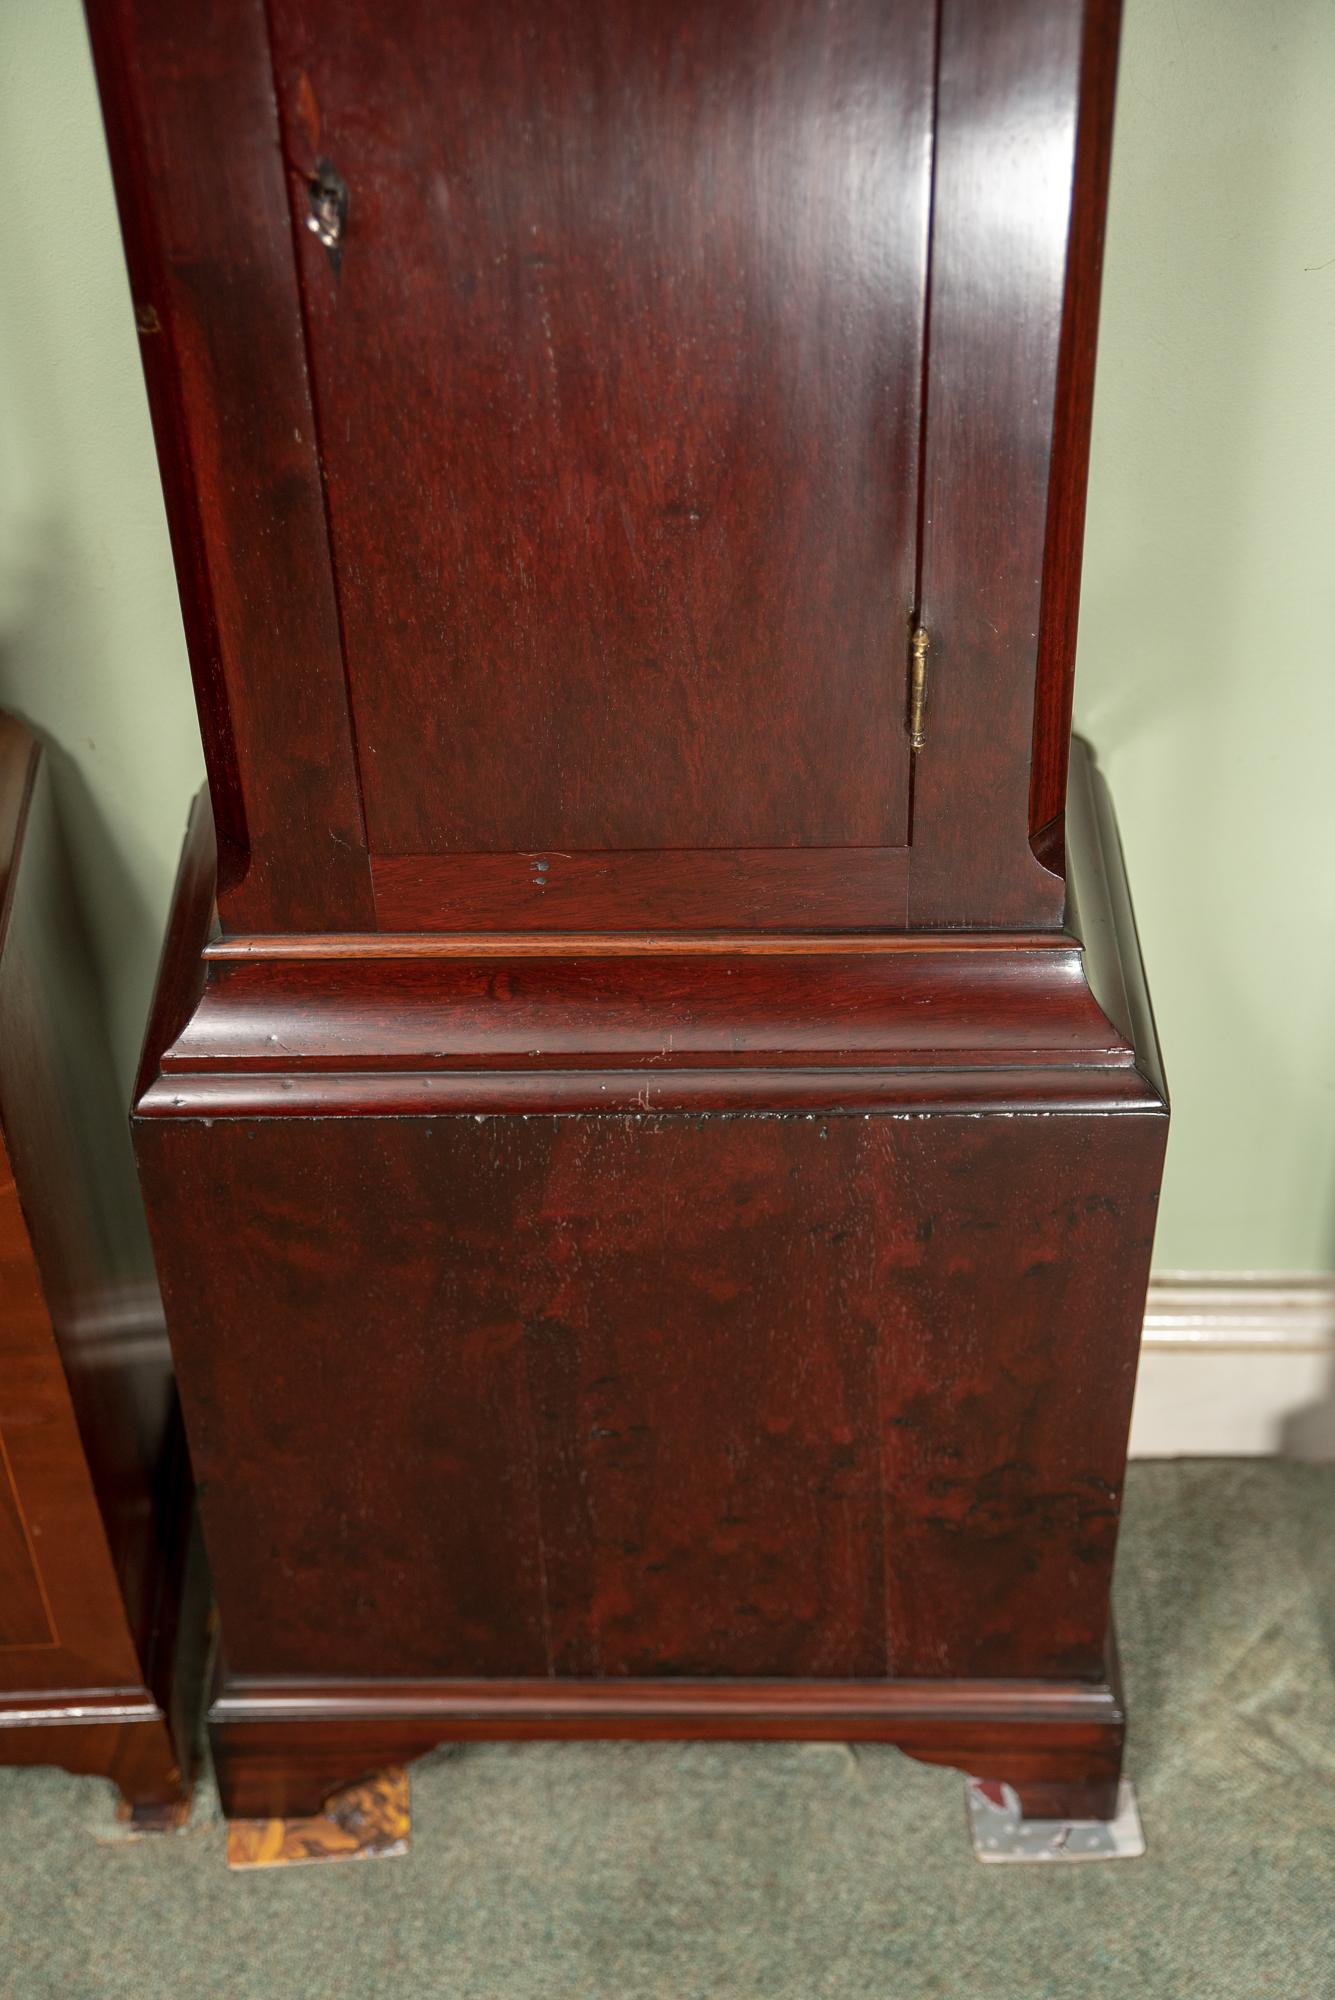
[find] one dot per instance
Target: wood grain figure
(651, 1119)
(101, 1608)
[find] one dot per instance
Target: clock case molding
(973, 996)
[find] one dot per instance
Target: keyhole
(328, 195)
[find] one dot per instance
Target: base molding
(116, 1733)
(1237, 1364)
(284, 1747)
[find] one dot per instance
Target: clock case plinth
(700, 1342)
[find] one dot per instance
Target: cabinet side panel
(741, 1395)
(1009, 1345)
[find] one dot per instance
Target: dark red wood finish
(577, 1382)
(636, 481)
(277, 1747)
(96, 1668)
(1064, 546)
(690, 889)
(626, 534)
(1018, 86)
(652, 1174)
(188, 98)
(701, 1398)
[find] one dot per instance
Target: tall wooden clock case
(650, 1120)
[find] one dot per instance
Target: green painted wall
(1206, 677)
(91, 650)
(1207, 642)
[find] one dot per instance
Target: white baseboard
(1240, 1365)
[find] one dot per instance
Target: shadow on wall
(1309, 1434)
(91, 651)
(1208, 611)
(101, 883)
(48, 616)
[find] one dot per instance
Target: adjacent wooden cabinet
(651, 1121)
(101, 1612)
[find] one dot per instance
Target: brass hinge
(918, 687)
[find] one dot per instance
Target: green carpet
(792, 1870)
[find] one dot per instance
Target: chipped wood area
(367, 1822)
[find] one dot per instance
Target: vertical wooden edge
(20, 757)
(181, 968)
(1059, 617)
(995, 448)
(176, 1647)
(213, 270)
(1102, 917)
(112, 40)
(1140, 1009)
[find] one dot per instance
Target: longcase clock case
(650, 1121)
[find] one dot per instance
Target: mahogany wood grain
(95, 1501)
(1012, 84)
(393, 945)
(188, 97)
(634, 482)
(25, 1618)
(653, 1238)
(586, 1011)
(63, 1613)
(548, 685)
(832, 888)
(484, 1093)
(288, 1747)
(689, 1396)
(638, 1344)
(1059, 615)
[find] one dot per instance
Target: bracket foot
(367, 1822)
(1001, 1833)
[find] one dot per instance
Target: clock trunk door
(615, 313)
